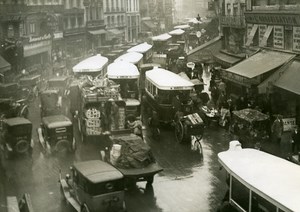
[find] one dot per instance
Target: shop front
(286, 95)
(97, 38)
(245, 77)
(37, 50)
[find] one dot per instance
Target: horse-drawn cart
(190, 128)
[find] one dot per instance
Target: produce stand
(250, 126)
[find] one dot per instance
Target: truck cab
(16, 136)
(56, 134)
(94, 186)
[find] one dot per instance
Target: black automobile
(16, 136)
(56, 134)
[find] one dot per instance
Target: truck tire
(21, 146)
(62, 146)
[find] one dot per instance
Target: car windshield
(105, 187)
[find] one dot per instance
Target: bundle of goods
(134, 153)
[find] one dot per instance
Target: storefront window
(32, 28)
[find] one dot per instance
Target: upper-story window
(271, 2)
(32, 28)
(235, 8)
(291, 2)
(228, 7)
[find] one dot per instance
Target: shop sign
(58, 35)
(272, 19)
(41, 38)
(296, 38)
(278, 37)
(52, 22)
(261, 32)
(240, 79)
(289, 124)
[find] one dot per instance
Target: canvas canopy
(122, 70)
(141, 48)
(92, 64)
(130, 57)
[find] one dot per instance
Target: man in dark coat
(296, 140)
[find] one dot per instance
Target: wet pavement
(188, 183)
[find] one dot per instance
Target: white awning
(91, 64)
(98, 32)
(122, 70)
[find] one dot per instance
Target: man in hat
(277, 129)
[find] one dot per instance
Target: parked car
(16, 136)
(94, 186)
(56, 134)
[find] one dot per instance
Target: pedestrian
(277, 129)
(114, 115)
(222, 87)
(176, 103)
(296, 140)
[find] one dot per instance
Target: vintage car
(51, 102)
(94, 186)
(16, 136)
(60, 83)
(56, 134)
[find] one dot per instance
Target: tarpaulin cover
(135, 153)
(250, 115)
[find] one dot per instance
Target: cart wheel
(179, 131)
(150, 180)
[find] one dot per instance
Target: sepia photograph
(149, 105)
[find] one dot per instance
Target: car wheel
(62, 146)
(21, 146)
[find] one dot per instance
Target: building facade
(34, 26)
(115, 20)
(74, 34)
(95, 26)
(272, 46)
(133, 20)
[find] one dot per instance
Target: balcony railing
(95, 23)
(277, 7)
(233, 21)
(73, 31)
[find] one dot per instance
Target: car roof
(56, 121)
(271, 177)
(167, 80)
(17, 121)
(97, 171)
